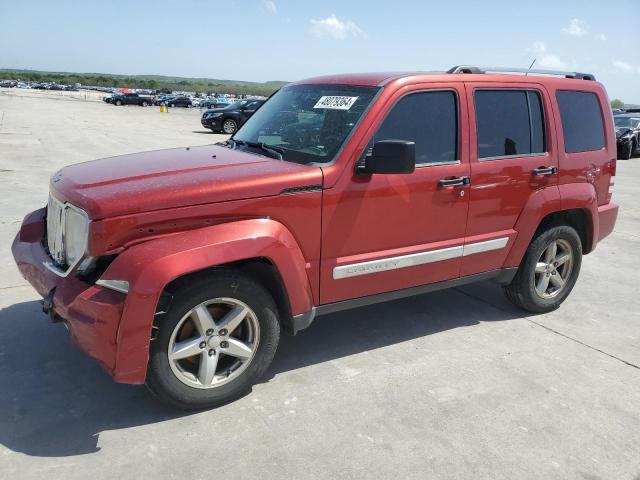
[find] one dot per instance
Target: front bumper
(213, 123)
(91, 312)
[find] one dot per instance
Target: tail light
(612, 167)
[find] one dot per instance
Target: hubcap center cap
(214, 342)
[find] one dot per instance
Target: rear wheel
(229, 126)
(144, 104)
(217, 340)
(548, 271)
(118, 102)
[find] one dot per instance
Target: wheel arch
(261, 269)
(571, 204)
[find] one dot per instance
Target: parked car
(181, 268)
(178, 101)
(131, 99)
(627, 134)
(215, 103)
(230, 118)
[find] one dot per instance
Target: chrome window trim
(518, 155)
(415, 259)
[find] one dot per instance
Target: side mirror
(390, 156)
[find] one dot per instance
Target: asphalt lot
(453, 384)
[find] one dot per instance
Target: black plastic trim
(502, 276)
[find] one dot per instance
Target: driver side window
(430, 119)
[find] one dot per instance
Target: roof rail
(480, 70)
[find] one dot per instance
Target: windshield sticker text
(335, 102)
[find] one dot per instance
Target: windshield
(626, 122)
(308, 123)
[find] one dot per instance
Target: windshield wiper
(274, 152)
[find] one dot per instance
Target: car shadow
(55, 402)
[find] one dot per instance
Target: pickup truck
(181, 268)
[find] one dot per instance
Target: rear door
(389, 232)
(513, 154)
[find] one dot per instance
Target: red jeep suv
(180, 268)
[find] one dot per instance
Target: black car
(627, 134)
(178, 101)
(229, 119)
(130, 99)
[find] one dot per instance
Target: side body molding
(150, 266)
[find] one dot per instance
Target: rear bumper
(92, 313)
(607, 215)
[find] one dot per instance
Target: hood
(178, 177)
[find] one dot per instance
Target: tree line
(134, 82)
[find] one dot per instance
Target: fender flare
(558, 198)
(583, 196)
(540, 204)
(150, 266)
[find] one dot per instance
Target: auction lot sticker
(335, 102)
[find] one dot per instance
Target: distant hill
(145, 81)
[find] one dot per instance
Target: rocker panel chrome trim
(414, 259)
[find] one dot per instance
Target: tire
(634, 147)
(118, 103)
(183, 383)
(525, 289)
(145, 104)
(627, 152)
(172, 105)
(229, 126)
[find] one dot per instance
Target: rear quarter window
(582, 124)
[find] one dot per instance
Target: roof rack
(481, 70)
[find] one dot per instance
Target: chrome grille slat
(55, 231)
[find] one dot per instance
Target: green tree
(617, 103)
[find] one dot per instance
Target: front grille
(55, 231)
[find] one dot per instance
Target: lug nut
(212, 352)
(203, 344)
(223, 332)
(224, 344)
(210, 332)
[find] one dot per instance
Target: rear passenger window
(581, 121)
(430, 120)
(509, 123)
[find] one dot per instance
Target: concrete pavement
(453, 384)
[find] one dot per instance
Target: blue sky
(288, 40)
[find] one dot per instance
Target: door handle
(454, 182)
(537, 172)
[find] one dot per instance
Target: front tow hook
(47, 306)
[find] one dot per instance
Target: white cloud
(270, 6)
(602, 37)
(624, 66)
(333, 27)
(543, 57)
(576, 27)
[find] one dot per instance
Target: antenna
(530, 66)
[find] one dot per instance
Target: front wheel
(118, 103)
(548, 272)
(215, 342)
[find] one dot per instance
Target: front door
(512, 157)
(389, 232)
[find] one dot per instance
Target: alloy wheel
(553, 269)
(213, 343)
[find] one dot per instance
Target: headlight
(76, 234)
(216, 115)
